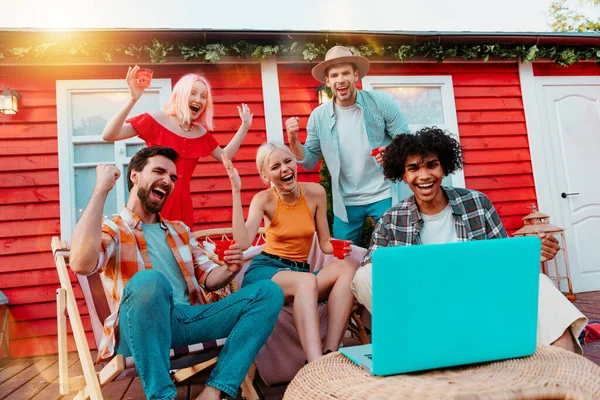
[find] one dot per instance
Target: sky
(406, 15)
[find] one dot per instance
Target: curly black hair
(425, 142)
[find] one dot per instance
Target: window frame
(444, 82)
(66, 141)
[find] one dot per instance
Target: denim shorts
(264, 267)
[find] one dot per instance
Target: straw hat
(340, 55)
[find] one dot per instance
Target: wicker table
(549, 373)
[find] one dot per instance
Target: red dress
(178, 206)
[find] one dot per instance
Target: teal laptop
(452, 304)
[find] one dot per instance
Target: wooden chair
(191, 359)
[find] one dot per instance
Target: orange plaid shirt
(124, 252)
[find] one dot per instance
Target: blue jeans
(150, 325)
(353, 229)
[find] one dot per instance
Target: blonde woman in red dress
(184, 125)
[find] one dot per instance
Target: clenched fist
(106, 176)
(292, 126)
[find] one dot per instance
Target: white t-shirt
(439, 228)
(361, 180)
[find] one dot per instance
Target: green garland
(158, 52)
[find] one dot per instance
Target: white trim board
(271, 100)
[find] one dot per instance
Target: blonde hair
(178, 102)
(265, 150)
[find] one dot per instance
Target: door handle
(565, 195)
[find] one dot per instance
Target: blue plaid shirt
(475, 218)
(383, 121)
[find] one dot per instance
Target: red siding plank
(500, 182)
(491, 156)
(28, 147)
(36, 294)
(18, 212)
(508, 168)
(499, 142)
(492, 129)
(33, 244)
(28, 195)
(43, 327)
(26, 130)
(29, 163)
(26, 262)
(489, 116)
(486, 79)
(28, 228)
(38, 277)
(461, 92)
(489, 104)
(34, 114)
(30, 312)
(28, 179)
(519, 208)
(44, 345)
(506, 195)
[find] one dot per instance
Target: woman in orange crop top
(292, 213)
(184, 126)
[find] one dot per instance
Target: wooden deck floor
(36, 378)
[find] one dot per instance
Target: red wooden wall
(491, 123)
(29, 193)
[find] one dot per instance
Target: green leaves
(158, 52)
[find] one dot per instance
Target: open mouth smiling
(159, 193)
(287, 178)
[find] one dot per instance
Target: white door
(570, 111)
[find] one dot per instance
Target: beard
(154, 207)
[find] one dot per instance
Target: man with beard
(345, 131)
(152, 270)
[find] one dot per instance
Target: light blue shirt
(162, 260)
(383, 121)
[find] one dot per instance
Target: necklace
(290, 192)
(285, 203)
(183, 128)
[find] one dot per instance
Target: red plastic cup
(338, 247)
(144, 77)
(375, 151)
(220, 248)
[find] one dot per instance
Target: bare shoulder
(160, 116)
(313, 189)
(264, 197)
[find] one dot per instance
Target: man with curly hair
(439, 214)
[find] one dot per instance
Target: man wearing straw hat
(153, 268)
(345, 131)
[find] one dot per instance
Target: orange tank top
(292, 228)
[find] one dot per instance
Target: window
(424, 101)
(83, 109)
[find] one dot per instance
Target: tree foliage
(566, 19)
